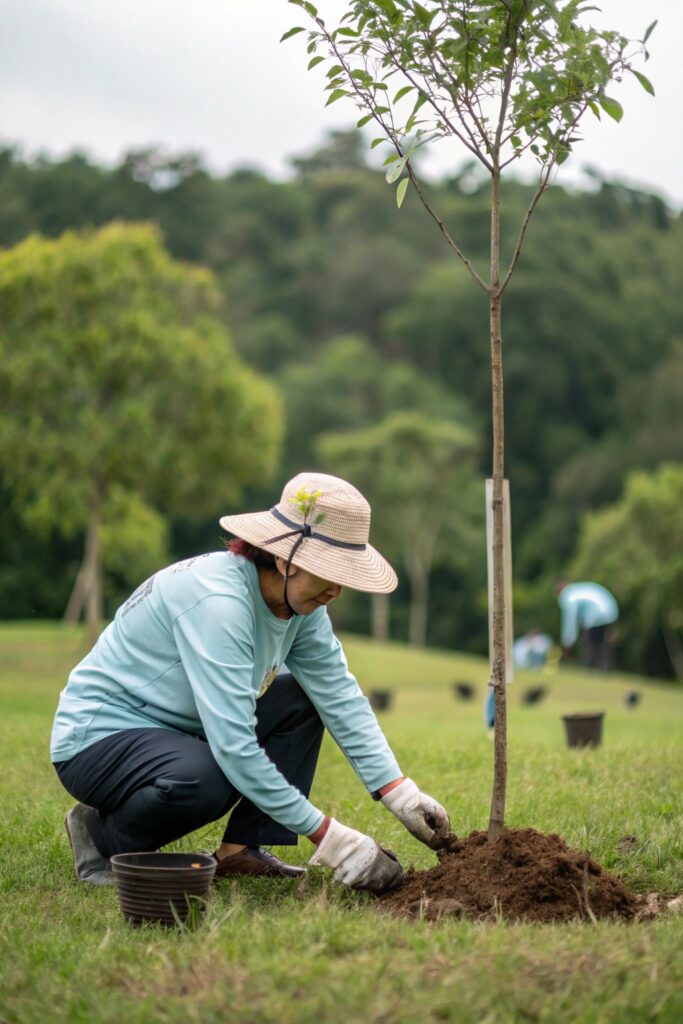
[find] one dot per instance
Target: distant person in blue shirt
(180, 712)
(531, 650)
(588, 610)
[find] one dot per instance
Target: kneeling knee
(210, 793)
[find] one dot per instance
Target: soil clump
(523, 876)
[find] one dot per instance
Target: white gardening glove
(421, 814)
(357, 860)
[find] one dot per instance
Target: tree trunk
(380, 617)
(497, 681)
(87, 591)
(93, 607)
(72, 613)
(674, 649)
(418, 575)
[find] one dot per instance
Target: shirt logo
(187, 564)
(143, 591)
(268, 680)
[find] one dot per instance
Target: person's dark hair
(261, 559)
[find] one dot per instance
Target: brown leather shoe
(254, 860)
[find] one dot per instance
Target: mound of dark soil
(524, 876)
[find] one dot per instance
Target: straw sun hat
(321, 524)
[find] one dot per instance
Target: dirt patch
(523, 876)
(655, 904)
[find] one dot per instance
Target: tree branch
(452, 86)
(505, 95)
(451, 127)
(518, 152)
(542, 187)
(368, 102)
(444, 231)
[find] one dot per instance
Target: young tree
(502, 78)
(418, 473)
(120, 393)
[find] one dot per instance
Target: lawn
(281, 952)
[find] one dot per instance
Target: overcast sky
(211, 76)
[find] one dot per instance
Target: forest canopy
(356, 313)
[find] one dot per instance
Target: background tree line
(358, 317)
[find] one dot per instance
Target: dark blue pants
(152, 786)
(597, 648)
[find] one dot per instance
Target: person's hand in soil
(421, 814)
(356, 859)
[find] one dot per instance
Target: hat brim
(365, 570)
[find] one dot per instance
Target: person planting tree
(180, 714)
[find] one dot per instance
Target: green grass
(274, 951)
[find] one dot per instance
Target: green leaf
(648, 30)
(401, 191)
(612, 107)
(377, 142)
(307, 6)
(423, 15)
(452, 48)
(421, 100)
(645, 82)
(411, 122)
(363, 120)
(336, 95)
(395, 172)
(291, 32)
(335, 70)
(402, 92)
(314, 61)
(516, 141)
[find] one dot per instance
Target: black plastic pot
(534, 695)
(584, 730)
(463, 691)
(380, 700)
(151, 886)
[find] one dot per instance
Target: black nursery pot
(533, 695)
(584, 730)
(380, 700)
(151, 884)
(463, 690)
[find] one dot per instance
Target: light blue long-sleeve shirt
(192, 650)
(584, 606)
